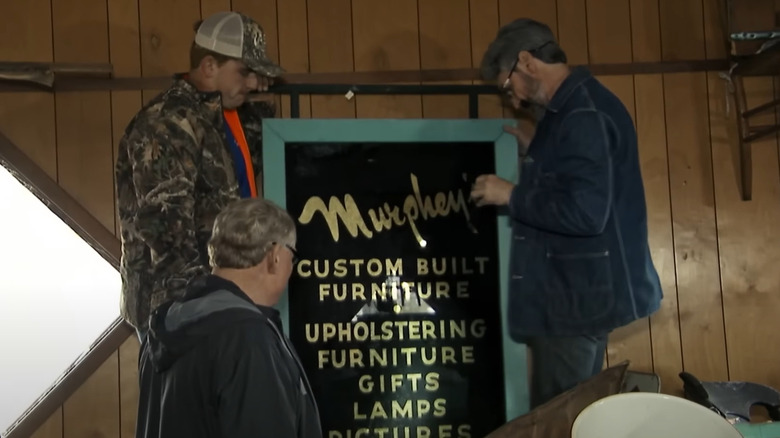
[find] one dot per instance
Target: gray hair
(519, 35)
(245, 231)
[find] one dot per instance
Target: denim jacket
(580, 260)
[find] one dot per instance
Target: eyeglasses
(294, 253)
(505, 86)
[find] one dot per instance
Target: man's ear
(208, 66)
(273, 258)
(526, 62)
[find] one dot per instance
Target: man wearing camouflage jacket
(187, 154)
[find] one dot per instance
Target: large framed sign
(396, 306)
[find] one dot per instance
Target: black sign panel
(394, 307)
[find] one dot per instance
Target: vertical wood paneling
(330, 50)
(545, 11)
(484, 26)
(294, 46)
(84, 150)
(93, 410)
(165, 43)
(386, 37)
(28, 119)
(682, 30)
(573, 31)
(209, 7)
(645, 30)
(692, 195)
(609, 31)
(445, 42)
(651, 133)
(716, 42)
(51, 428)
(128, 386)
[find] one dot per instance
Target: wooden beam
(59, 201)
(60, 67)
(70, 84)
(71, 380)
(99, 238)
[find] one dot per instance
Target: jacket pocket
(579, 286)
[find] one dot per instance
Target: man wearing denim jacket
(580, 262)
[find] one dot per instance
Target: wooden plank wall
(715, 253)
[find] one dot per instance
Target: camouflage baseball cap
(235, 35)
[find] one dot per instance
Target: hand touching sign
(491, 190)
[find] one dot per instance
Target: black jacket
(214, 364)
(580, 260)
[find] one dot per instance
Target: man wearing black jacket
(215, 362)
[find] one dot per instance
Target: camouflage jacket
(174, 173)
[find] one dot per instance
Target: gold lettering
(423, 407)
(448, 355)
(432, 382)
(439, 407)
(422, 267)
(340, 268)
(355, 410)
(398, 382)
(374, 267)
(366, 384)
(467, 354)
(348, 212)
(452, 266)
(403, 410)
(416, 330)
(378, 411)
(410, 408)
(386, 216)
(304, 268)
(461, 288)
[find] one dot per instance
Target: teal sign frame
(278, 132)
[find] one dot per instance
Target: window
(57, 297)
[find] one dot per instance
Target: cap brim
(264, 67)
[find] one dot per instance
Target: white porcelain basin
(650, 415)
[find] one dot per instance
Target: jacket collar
(576, 77)
(209, 283)
(210, 102)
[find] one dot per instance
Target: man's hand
(491, 190)
(524, 135)
(263, 82)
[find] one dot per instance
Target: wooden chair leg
(743, 130)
